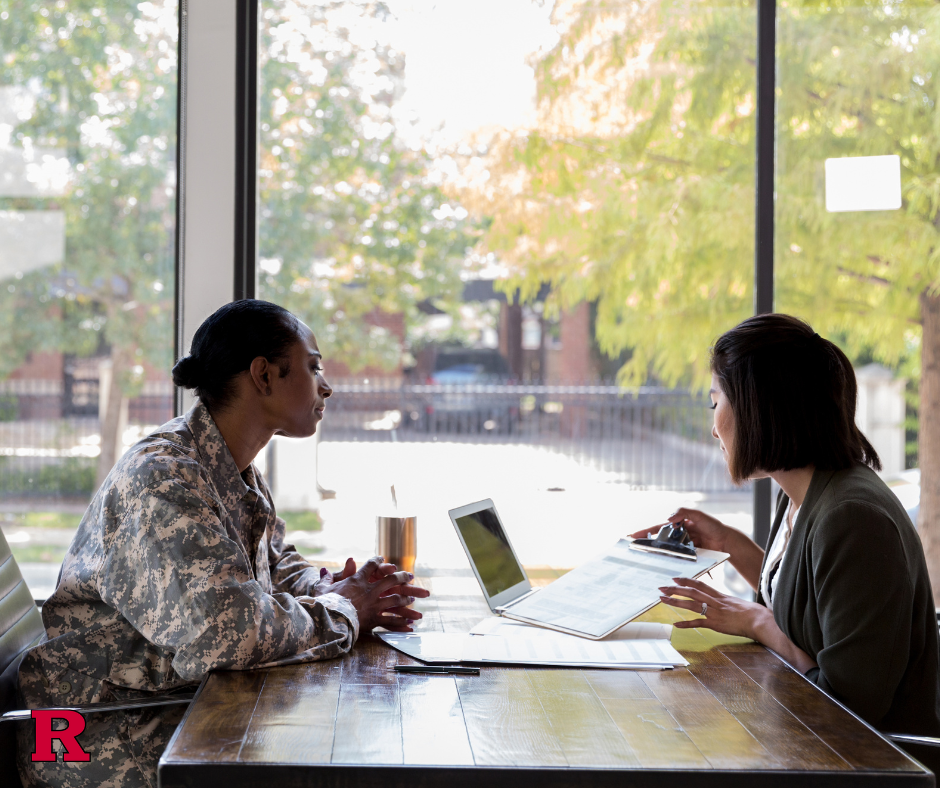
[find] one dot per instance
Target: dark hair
(228, 341)
(793, 396)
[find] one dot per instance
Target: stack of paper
(633, 647)
(496, 625)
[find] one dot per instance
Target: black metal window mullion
(246, 150)
(179, 263)
(764, 210)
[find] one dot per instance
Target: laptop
(502, 578)
(591, 601)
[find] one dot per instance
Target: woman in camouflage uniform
(179, 566)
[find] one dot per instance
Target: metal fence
(49, 443)
(652, 438)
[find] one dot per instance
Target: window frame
(217, 166)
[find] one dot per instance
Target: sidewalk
(558, 513)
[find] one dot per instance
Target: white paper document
(608, 591)
(638, 630)
(547, 647)
(434, 648)
(519, 644)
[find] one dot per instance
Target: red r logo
(45, 735)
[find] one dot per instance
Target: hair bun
(186, 373)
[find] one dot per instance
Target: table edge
(227, 775)
(182, 722)
(840, 704)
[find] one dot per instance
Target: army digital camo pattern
(179, 567)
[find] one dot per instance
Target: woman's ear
(261, 371)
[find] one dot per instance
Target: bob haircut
(793, 396)
(228, 341)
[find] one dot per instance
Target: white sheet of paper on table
(523, 645)
(634, 645)
(430, 647)
(556, 648)
(495, 625)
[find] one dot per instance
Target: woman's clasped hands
(379, 592)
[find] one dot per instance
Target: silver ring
(704, 608)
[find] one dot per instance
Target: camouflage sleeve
(175, 575)
(291, 573)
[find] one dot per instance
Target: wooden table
(737, 716)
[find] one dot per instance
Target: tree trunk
(510, 337)
(114, 415)
(928, 518)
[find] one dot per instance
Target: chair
(21, 628)
(925, 749)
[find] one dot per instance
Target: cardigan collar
(817, 486)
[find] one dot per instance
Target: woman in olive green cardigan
(843, 586)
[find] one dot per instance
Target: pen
(437, 669)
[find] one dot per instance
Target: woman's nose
(325, 389)
(714, 432)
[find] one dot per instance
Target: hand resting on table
(379, 592)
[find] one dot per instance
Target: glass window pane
(856, 203)
(87, 205)
(477, 217)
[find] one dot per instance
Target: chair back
(20, 628)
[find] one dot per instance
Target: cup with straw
(396, 537)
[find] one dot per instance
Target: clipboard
(608, 591)
(591, 601)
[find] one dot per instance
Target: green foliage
(352, 223)
(858, 80)
(103, 81)
(39, 519)
(71, 476)
(640, 195)
(9, 408)
(302, 521)
(38, 553)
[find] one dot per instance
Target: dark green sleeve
(864, 603)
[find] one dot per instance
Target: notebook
(591, 601)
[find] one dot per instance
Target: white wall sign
(30, 240)
(863, 183)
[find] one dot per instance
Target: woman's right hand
(705, 531)
(711, 534)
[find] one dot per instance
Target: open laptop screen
(488, 546)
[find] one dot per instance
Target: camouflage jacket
(179, 567)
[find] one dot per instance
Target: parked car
(470, 366)
(459, 409)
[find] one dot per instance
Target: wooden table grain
(737, 716)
